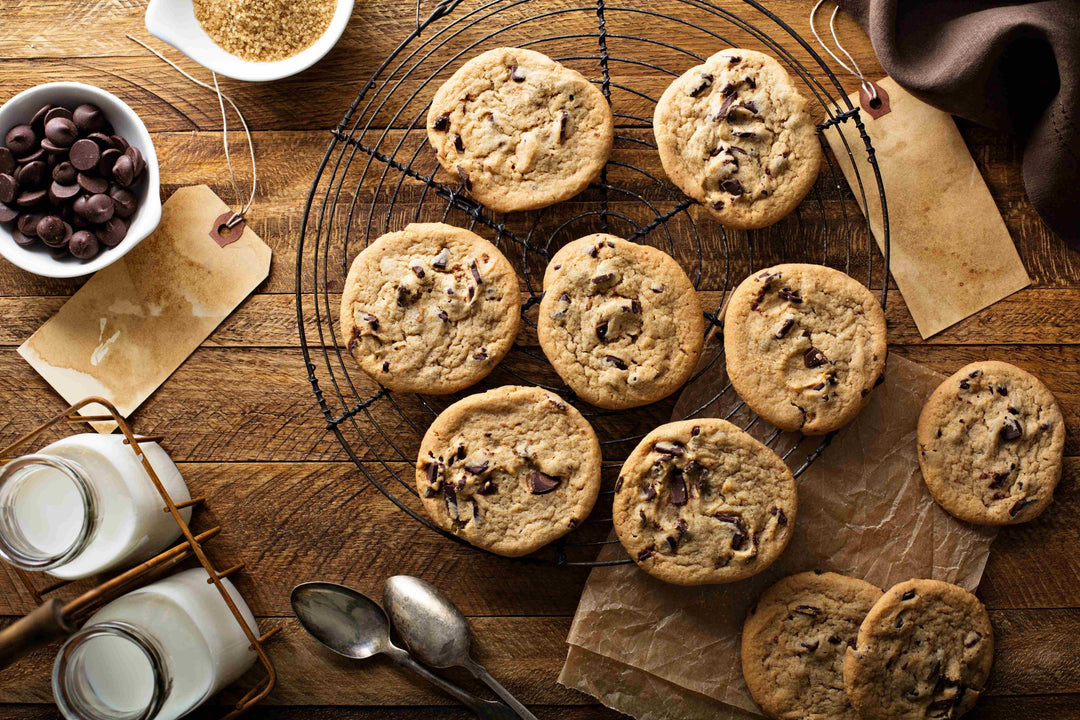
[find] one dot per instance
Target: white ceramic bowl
(18, 110)
(174, 22)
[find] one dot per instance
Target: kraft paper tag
(132, 324)
(951, 252)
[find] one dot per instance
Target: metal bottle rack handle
(55, 618)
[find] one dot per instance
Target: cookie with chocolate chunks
(804, 345)
(430, 309)
(509, 470)
(620, 322)
(793, 644)
(520, 131)
(923, 652)
(735, 135)
(701, 501)
(991, 440)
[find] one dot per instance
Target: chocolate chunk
(649, 492)
(1002, 390)
(751, 106)
(1010, 430)
(563, 119)
(441, 123)
(459, 143)
(540, 483)
(814, 358)
(728, 90)
(677, 488)
(732, 186)
(734, 60)
(612, 360)
(790, 295)
(430, 492)
(464, 177)
(21, 140)
(517, 74)
(432, 472)
(488, 488)
(475, 271)
(594, 251)
(673, 542)
(112, 232)
(370, 319)
(706, 79)
(1013, 410)
(674, 449)
(619, 483)
(1019, 505)
(478, 468)
(84, 245)
(602, 278)
(646, 554)
(725, 106)
(998, 478)
(964, 385)
(744, 134)
(681, 526)
(601, 331)
(900, 620)
(781, 516)
(908, 595)
(809, 610)
(695, 431)
(442, 315)
(61, 132)
(417, 271)
(784, 328)
(810, 647)
(835, 640)
(480, 354)
(386, 366)
(972, 639)
(718, 205)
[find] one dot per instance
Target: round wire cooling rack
(379, 174)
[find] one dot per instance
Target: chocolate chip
(619, 483)
(899, 620)
(790, 295)
(718, 205)
(601, 331)
(681, 526)
(695, 431)
(92, 184)
(31, 198)
(33, 175)
(51, 231)
(835, 640)
(464, 177)
(9, 188)
(489, 488)
(417, 271)
(475, 271)
(809, 610)
(64, 173)
(781, 517)
(57, 193)
(706, 79)
(541, 483)
(784, 328)
(99, 208)
(810, 647)
(612, 360)
(21, 239)
(732, 186)
(563, 119)
(83, 245)
(112, 232)
(123, 171)
(964, 385)
(517, 74)
(1019, 505)
(1010, 430)
(646, 554)
(443, 316)
(459, 143)
(89, 118)
(972, 639)
(441, 123)
(908, 595)
(1002, 390)
(673, 543)
(677, 488)
(386, 366)
(85, 154)
(602, 278)
(480, 354)
(649, 492)
(814, 358)
(61, 131)
(674, 449)
(21, 140)
(744, 134)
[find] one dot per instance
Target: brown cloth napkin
(1008, 65)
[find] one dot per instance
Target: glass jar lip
(25, 557)
(124, 631)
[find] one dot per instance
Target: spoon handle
(484, 709)
(480, 673)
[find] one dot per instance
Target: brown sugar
(264, 30)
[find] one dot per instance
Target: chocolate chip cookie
(509, 470)
(793, 644)
(805, 345)
(430, 309)
(991, 440)
(735, 135)
(620, 322)
(923, 651)
(701, 501)
(519, 130)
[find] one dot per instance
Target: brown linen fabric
(1008, 65)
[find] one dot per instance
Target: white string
(222, 99)
(868, 86)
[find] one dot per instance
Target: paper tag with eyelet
(222, 234)
(877, 106)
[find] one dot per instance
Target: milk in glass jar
(157, 652)
(85, 505)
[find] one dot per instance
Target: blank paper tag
(951, 253)
(132, 324)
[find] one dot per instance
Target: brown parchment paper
(654, 650)
(133, 323)
(951, 254)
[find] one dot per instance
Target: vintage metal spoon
(436, 632)
(353, 625)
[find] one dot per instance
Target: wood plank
(1034, 655)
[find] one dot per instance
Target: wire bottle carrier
(55, 618)
(378, 174)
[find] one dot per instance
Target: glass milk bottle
(85, 505)
(157, 652)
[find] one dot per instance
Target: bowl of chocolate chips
(79, 182)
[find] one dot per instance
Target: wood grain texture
(240, 415)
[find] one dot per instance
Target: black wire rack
(379, 174)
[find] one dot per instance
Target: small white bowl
(18, 111)
(174, 22)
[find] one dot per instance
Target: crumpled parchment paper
(654, 650)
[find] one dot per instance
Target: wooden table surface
(241, 420)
